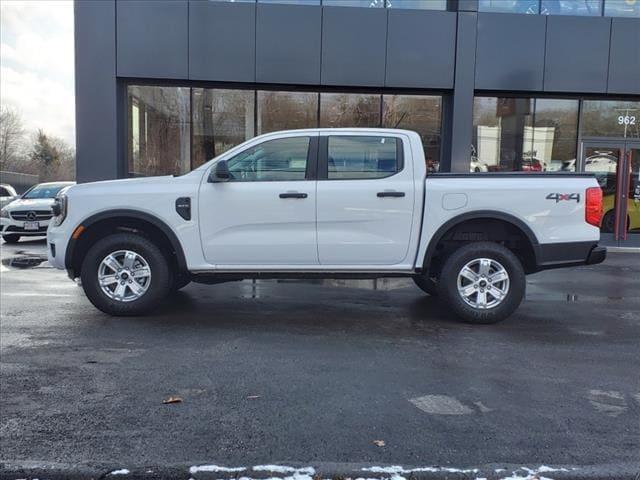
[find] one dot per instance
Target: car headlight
(59, 209)
(4, 213)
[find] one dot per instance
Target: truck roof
(356, 130)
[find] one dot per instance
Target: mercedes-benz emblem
(31, 216)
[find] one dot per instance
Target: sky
(36, 64)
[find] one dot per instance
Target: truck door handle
(390, 194)
(293, 195)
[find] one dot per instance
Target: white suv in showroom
(29, 215)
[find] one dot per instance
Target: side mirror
(220, 173)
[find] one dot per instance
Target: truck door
(365, 202)
(265, 213)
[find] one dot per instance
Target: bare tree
(11, 138)
(51, 157)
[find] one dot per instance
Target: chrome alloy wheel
(483, 283)
(124, 275)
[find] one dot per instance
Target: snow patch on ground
(532, 473)
(284, 469)
(122, 471)
(214, 468)
(396, 469)
(394, 472)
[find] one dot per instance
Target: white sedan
(30, 214)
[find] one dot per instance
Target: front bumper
(9, 226)
(56, 247)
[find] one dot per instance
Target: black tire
(12, 238)
(426, 284)
(448, 283)
(160, 280)
(608, 222)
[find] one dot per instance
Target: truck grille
(31, 215)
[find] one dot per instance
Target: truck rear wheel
(426, 284)
(125, 274)
(482, 282)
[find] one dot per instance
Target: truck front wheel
(482, 282)
(125, 274)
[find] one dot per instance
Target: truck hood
(123, 185)
(30, 204)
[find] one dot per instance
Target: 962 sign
(626, 120)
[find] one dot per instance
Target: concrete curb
(31, 470)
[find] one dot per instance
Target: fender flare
(137, 214)
(479, 215)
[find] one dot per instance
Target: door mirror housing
(220, 173)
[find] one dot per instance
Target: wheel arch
(489, 216)
(125, 220)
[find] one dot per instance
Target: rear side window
(362, 157)
(283, 159)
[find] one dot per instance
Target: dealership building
(162, 86)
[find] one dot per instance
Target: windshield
(43, 191)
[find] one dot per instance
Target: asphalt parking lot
(344, 372)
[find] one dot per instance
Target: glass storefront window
(524, 134)
(286, 111)
(555, 133)
(571, 7)
(353, 3)
(622, 8)
(610, 118)
(499, 133)
(160, 130)
(172, 130)
(222, 119)
(421, 114)
(292, 2)
(418, 4)
(509, 6)
(349, 110)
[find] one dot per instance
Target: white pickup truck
(326, 203)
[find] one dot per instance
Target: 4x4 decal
(558, 197)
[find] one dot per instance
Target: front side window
(284, 159)
(4, 192)
(362, 157)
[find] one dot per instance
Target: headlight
(4, 213)
(59, 209)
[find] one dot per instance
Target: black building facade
(490, 85)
